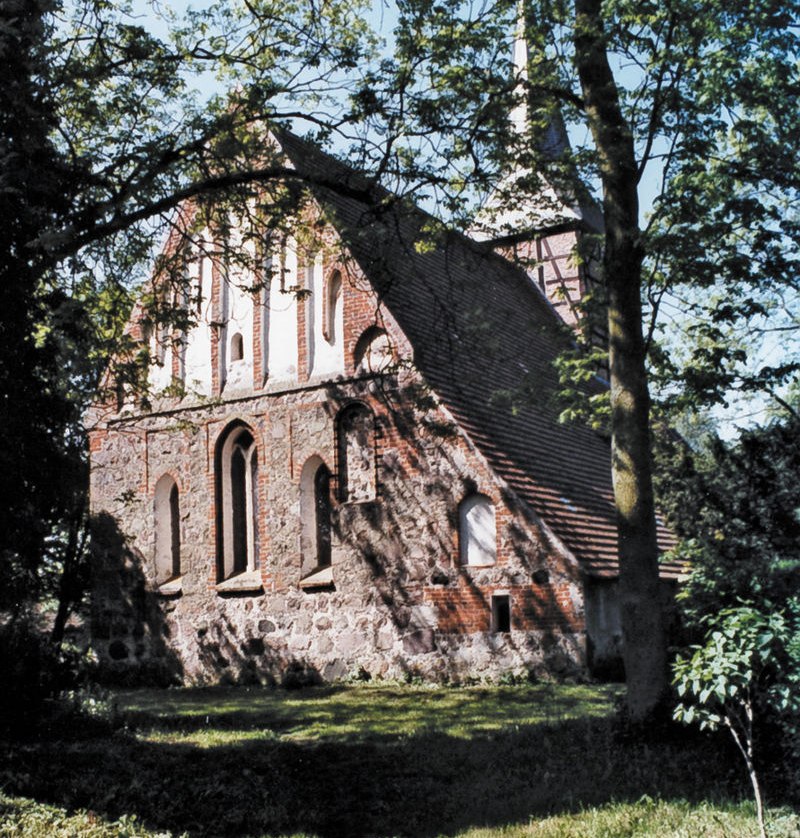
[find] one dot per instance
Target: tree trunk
(71, 584)
(746, 749)
(642, 620)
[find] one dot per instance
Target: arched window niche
(477, 531)
(315, 524)
(334, 320)
(166, 512)
(355, 430)
(313, 288)
(237, 510)
(237, 347)
(373, 352)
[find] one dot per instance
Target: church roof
(485, 339)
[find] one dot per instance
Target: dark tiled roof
(484, 338)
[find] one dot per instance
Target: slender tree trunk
(746, 749)
(70, 587)
(642, 619)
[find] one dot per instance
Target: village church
(351, 463)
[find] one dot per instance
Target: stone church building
(351, 463)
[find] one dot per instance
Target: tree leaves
(742, 538)
(747, 670)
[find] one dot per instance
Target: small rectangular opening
(501, 613)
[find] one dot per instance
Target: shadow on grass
(425, 784)
(334, 713)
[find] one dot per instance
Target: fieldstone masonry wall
(400, 602)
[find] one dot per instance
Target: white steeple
(519, 114)
(506, 212)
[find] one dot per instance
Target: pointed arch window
(166, 509)
(315, 515)
(356, 453)
(322, 518)
(477, 531)
(237, 506)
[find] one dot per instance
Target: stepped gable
(479, 329)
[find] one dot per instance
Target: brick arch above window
(232, 421)
(315, 523)
(236, 508)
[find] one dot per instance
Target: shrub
(746, 672)
(34, 669)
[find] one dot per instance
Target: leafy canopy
(709, 94)
(736, 509)
(103, 133)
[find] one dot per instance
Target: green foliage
(23, 818)
(747, 671)
(581, 398)
(736, 507)
(708, 94)
(646, 818)
(356, 713)
(34, 465)
(35, 670)
(741, 543)
(749, 659)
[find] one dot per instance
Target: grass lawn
(372, 760)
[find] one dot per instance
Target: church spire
(519, 114)
(552, 140)
(525, 200)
